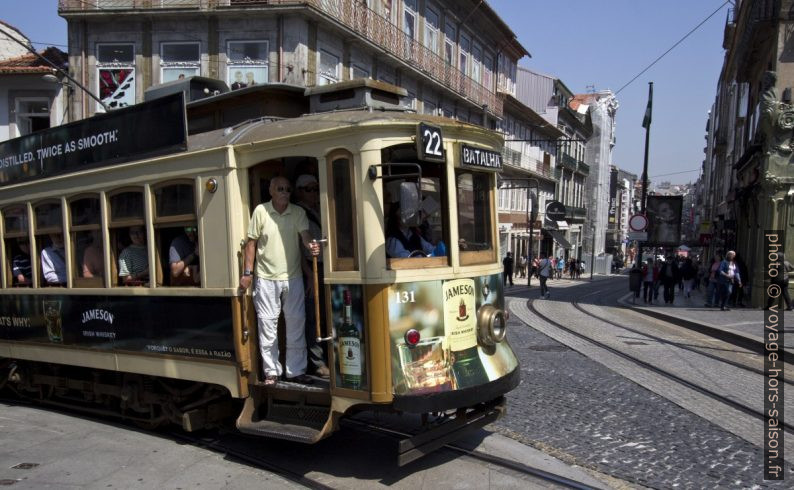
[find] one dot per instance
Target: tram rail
(758, 414)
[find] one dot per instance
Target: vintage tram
(418, 334)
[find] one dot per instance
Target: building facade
(747, 183)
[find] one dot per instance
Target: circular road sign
(638, 222)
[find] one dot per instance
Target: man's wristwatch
(247, 272)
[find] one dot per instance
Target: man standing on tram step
(544, 271)
(274, 235)
(507, 262)
(307, 194)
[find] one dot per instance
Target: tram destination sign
(480, 157)
(140, 131)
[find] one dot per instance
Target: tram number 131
(405, 297)
(430, 145)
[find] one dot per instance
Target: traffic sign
(638, 222)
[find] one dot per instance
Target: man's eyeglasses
(190, 229)
(286, 189)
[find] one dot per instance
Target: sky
(589, 45)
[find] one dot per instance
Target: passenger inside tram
(134, 259)
(93, 258)
(183, 256)
(20, 263)
(53, 261)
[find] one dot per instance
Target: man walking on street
(544, 271)
(507, 262)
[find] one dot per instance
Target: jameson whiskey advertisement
(447, 356)
(460, 328)
(347, 307)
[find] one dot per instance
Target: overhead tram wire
(673, 46)
(676, 173)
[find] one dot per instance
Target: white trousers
(269, 298)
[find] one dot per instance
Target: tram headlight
(491, 325)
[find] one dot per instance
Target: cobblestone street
(584, 413)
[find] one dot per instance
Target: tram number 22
(405, 297)
(431, 143)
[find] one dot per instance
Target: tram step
(289, 421)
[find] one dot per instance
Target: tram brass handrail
(320, 337)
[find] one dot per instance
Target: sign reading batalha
(480, 157)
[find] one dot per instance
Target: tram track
(757, 414)
(481, 456)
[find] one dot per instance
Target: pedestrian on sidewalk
(781, 279)
(737, 297)
(728, 274)
(522, 266)
(688, 274)
(544, 271)
(507, 262)
(669, 276)
(712, 291)
(657, 283)
(560, 267)
(649, 276)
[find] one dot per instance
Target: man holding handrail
(274, 233)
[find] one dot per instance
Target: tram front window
(475, 234)
(416, 228)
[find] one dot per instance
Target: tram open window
(129, 253)
(475, 204)
(176, 234)
(416, 229)
(343, 215)
(49, 244)
(88, 255)
(17, 247)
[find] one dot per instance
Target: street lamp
(531, 215)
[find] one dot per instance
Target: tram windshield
(421, 229)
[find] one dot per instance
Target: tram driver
(274, 233)
(403, 240)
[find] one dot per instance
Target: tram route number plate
(429, 143)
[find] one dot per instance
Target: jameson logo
(98, 314)
(460, 325)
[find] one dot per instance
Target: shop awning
(560, 238)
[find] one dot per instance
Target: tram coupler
(465, 421)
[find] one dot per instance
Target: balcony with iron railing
(566, 161)
(582, 167)
(518, 159)
(351, 14)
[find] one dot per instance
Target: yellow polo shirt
(278, 242)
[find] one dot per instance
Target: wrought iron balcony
(521, 160)
(349, 13)
(582, 167)
(566, 161)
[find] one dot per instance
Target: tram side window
(49, 244)
(176, 230)
(17, 247)
(420, 231)
(475, 236)
(129, 253)
(341, 194)
(88, 253)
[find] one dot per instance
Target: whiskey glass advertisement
(447, 356)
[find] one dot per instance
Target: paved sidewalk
(747, 323)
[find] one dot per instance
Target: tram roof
(263, 129)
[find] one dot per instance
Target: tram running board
(288, 420)
(428, 441)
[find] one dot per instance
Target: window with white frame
(246, 63)
(487, 71)
(431, 29)
(409, 18)
(464, 54)
(328, 71)
(116, 75)
(449, 43)
(179, 60)
(476, 62)
(32, 114)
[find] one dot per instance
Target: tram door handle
(320, 337)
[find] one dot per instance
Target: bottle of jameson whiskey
(467, 368)
(349, 347)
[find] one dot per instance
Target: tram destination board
(143, 130)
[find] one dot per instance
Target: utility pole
(646, 123)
